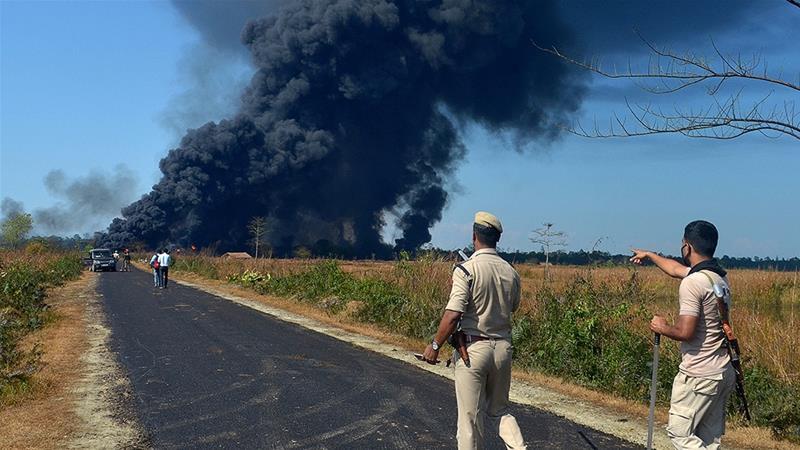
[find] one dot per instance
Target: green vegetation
(24, 280)
(15, 228)
(589, 328)
(393, 304)
(583, 334)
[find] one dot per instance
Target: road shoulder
(77, 399)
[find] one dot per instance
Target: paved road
(208, 373)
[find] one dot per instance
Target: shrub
(23, 284)
(772, 402)
(200, 265)
(584, 335)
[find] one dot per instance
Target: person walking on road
(705, 377)
(485, 292)
(164, 261)
(156, 272)
(126, 260)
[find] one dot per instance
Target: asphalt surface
(209, 373)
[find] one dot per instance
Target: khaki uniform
(697, 410)
(706, 378)
(486, 298)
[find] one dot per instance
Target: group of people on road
(126, 259)
(486, 291)
(160, 262)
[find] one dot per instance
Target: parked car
(102, 259)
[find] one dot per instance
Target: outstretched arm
(668, 266)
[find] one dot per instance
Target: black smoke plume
(352, 114)
(82, 204)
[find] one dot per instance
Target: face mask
(685, 257)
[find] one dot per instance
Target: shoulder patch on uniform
(463, 269)
(466, 273)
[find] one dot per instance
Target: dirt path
(77, 400)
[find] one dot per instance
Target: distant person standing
(164, 261)
(126, 260)
(156, 272)
(486, 291)
(705, 376)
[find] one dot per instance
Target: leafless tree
(547, 237)
(727, 116)
(257, 228)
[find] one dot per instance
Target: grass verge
(24, 283)
(40, 412)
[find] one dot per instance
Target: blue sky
(87, 86)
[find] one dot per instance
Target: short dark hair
(486, 235)
(702, 236)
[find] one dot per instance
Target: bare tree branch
(683, 70)
(669, 72)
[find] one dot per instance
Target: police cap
(488, 220)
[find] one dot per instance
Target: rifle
(458, 340)
(732, 344)
(734, 352)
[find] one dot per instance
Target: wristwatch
(435, 345)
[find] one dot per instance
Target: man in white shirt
(164, 260)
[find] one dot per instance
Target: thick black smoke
(351, 114)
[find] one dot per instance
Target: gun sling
(732, 345)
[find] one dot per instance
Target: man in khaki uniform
(486, 290)
(705, 378)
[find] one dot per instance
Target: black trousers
(164, 275)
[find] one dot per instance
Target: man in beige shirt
(486, 291)
(705, 378)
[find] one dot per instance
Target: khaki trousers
(697, 410)
(482, 392)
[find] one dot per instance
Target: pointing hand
(639, 255)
